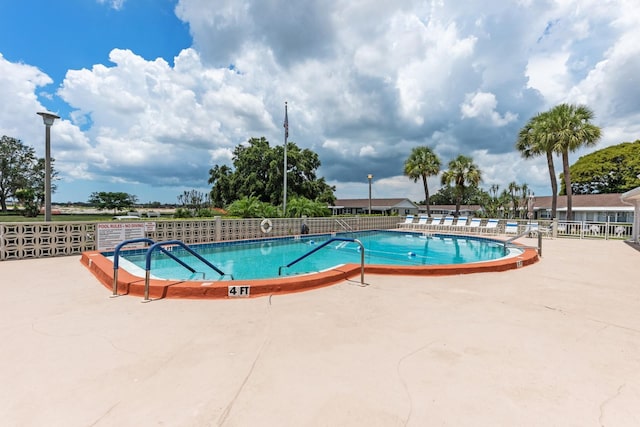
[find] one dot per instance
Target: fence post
(218, 227)
(539, 243)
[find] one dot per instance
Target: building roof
(452, 208)
(605, 202)
(631, 195)
(585, 201)
(378, 203)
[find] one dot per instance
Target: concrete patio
(553, 344)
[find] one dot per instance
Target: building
(632, 197)
(465, 210)
(400, 207)
(586, 207)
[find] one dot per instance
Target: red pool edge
(128, 284)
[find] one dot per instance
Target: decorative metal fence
(50, 239)
(594, 230)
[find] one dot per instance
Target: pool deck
(554, 343)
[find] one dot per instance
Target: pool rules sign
(110, 234)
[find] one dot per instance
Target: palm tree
(422, 163)
(513, 190)
(571, 129)
(534, 140)
(462, 173)
(524, 199)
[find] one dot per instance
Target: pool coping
(128, 284)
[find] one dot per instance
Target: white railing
(594, 229)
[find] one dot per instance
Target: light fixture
(48, 119)
(370, 177)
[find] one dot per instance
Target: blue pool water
(262, 259)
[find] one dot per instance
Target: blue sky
(75, 34)
(153, 93)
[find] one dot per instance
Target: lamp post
(48, 119)
(370, 177)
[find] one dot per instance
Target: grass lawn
(15, 217)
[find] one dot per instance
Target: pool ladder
(334, 239)
(150, 249)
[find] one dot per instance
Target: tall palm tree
(462, 173)
(422, 163)
(571, 128)
(524, 199)
(513, 189)
(534, 140)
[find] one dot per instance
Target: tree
(560, 130)
(193, 203)
(17, 162)
(32, 195)
(29, 200)
(447, 195)
(462, 173)
(112, 200)
(252, 207)
(300, 206)
(533, 141)
(222, 190)
(571, 128)
(491, 203)
(193, 199)
(513, 190)
(525, 193)
(257, 172)
(613, 169)
(422, 163)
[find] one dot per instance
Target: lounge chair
(511, 228)
(422, 222)
(491, 226)
(474, 224)
(407, 222)
(532, 229)
(435, 223)
(447, 223)
(461, 223)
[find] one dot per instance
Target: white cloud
(18, 86)
(366, 81)
(367, 151)
(114, 4)
(548, 74)
(482, 105)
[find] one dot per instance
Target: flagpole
(286, 135)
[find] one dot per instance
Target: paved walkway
(553, 344)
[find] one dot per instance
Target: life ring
(266, 226)
(265, 248)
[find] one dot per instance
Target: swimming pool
(413, 254)
(267, 259)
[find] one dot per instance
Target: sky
(151, 94)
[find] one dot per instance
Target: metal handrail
(524, 233)
(182, 245)
(116, 259)
(344, 224)
(334, 239)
